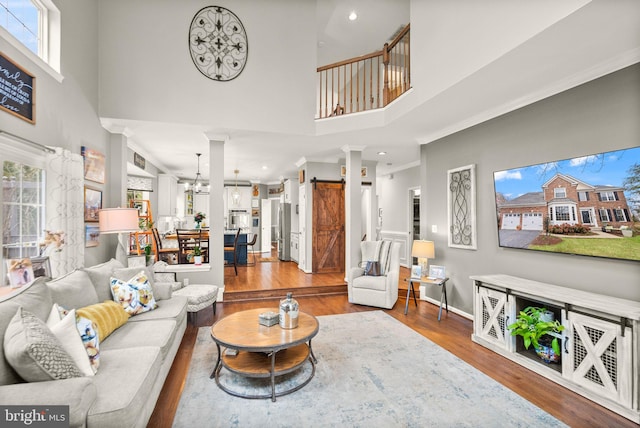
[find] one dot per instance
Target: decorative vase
(197, 225)
(289, 312)
(197, 260)
(547, 354)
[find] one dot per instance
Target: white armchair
(380, 291)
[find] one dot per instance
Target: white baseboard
(451, 308)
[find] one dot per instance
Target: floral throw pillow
(88, 332)
(135, 295)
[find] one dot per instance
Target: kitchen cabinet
(245, 198)
(600, 345)
(201, 204)
(293, 253)
(167, 195)
(287, 192)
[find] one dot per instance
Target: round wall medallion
(218, 43)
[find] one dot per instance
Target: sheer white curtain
(65, 209)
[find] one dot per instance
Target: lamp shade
(118, 220)
(423, 249)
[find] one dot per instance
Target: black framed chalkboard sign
(17, 90)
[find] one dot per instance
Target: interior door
(328, 228)
(265, 227)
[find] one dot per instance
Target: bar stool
(234, 250)
(250, 244)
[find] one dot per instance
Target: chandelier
(197, 183)
(235, 195)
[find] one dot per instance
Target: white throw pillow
(67, 333)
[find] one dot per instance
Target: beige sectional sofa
(134, 360)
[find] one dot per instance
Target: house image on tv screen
(565, 200)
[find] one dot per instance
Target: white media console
(600, 344)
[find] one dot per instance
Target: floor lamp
(121, 221)
(423, 250)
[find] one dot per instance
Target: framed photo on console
(20, 272)
(41, 267)
(416, 271)
(436, 272)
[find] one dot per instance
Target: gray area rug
(372, 371)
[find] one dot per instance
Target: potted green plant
(197, 256)
(537, 326)
(147, 254)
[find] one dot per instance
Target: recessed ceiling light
(353, 15)
(382, 153)
(264, 167)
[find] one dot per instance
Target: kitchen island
(229, 236)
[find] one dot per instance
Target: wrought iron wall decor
(461, 201)
(218, 43)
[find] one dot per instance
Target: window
(22, 19)
(583, 196)
(619, 214)
(35, 27)
(23, 198)
(562, 213)
(560, 192)
(607, 196)
(604, 215)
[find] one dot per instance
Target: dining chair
(188, 239)
(163, 254)
(204, 244)
(234, 249)
(250, 244)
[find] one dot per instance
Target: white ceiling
(592, 41)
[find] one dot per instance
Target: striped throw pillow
(107, 317)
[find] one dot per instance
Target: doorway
(265, 228)
(414, 219)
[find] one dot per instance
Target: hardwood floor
(453, 333)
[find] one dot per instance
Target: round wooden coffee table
(263, 352)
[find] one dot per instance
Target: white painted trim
(35, 59)
(401, 238)
(205, 267)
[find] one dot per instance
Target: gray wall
(599, 116)
(393, 198)
(67, 111)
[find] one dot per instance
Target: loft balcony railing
(366, 82)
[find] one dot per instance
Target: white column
(216, 207)
(353, 206)
(117, 160)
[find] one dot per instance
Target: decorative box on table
(268, 318)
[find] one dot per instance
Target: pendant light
(197, 183)
(235, 195)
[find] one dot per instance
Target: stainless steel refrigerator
(284, 232)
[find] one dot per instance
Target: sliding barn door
(328, 227)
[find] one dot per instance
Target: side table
(441, 282)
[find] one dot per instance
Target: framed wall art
(461, 204)
(94, 165)
(91, 235)
(17, 90)
(92, 204)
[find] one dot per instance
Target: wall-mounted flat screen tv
(588, 205)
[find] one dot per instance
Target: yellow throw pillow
(107, 316)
